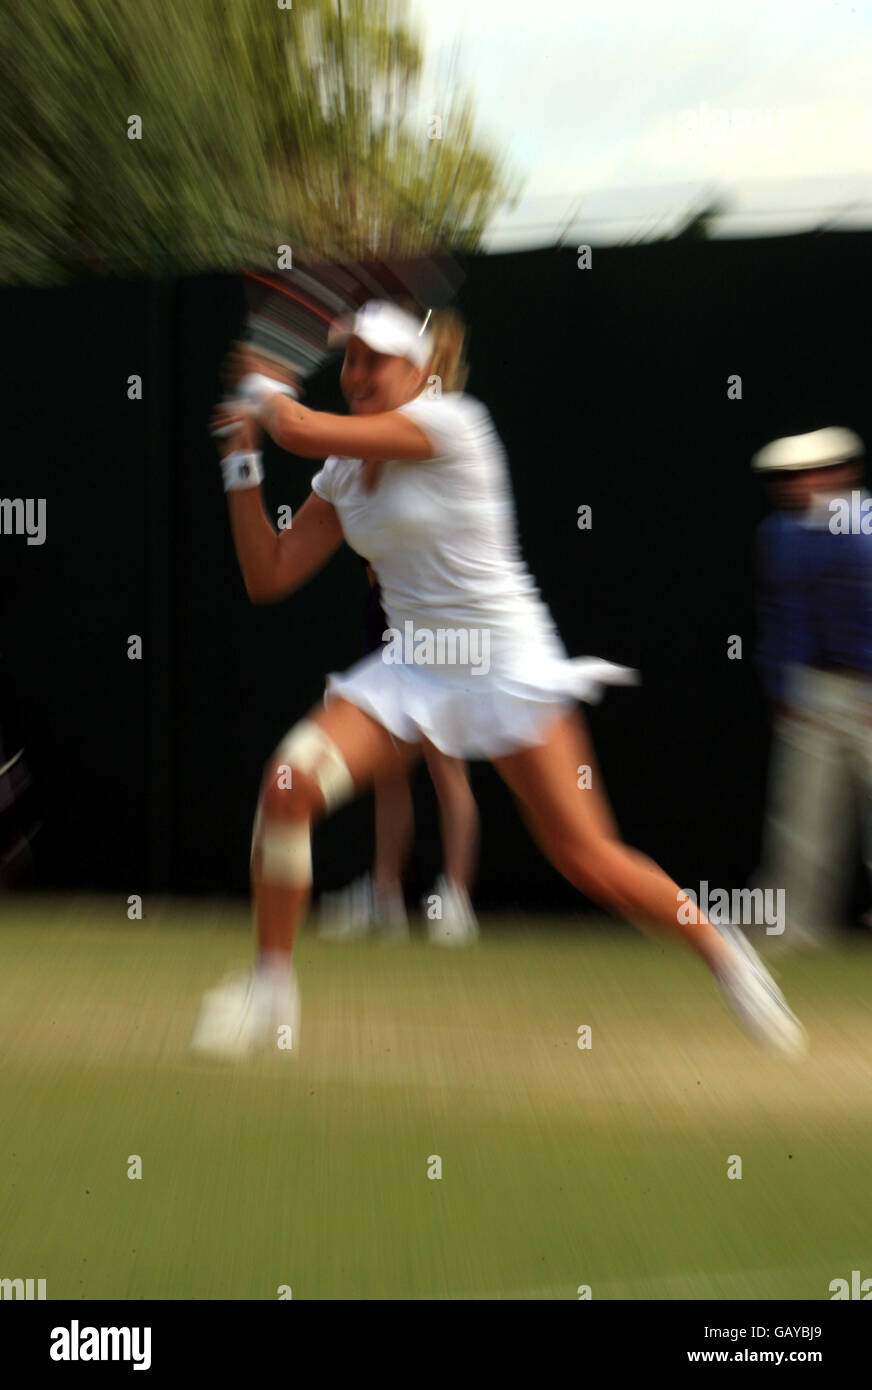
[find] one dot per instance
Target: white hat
(820, 449)
(385, 328)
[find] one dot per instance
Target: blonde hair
(448, 333)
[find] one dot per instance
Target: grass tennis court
(560, 1167)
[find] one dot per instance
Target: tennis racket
(289, 314)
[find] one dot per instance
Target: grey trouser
(820, 791)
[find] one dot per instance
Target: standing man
(815, 655)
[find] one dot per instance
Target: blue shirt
(815, 596)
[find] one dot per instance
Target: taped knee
(286, 853)
(309, 750)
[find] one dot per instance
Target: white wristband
(242, 470)
(257, 388)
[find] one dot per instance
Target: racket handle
(224, 431)
(251, 388)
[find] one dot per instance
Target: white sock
(272, 978)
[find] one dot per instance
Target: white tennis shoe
(347, 914)
(756, 1000)
(361, 909)
(458, 925)
(389, 915)
(240, 1018)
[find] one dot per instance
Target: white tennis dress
(475, 663)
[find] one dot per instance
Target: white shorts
(474, 716)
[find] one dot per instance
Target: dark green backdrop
(608, 387)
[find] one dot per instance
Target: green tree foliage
(261, 127)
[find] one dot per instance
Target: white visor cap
(385, 328)
(819, 449)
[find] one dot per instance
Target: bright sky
(631, 111)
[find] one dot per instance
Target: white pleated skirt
(476, 716)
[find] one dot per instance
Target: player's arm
(316, 433)
(274, 564)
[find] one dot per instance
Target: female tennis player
(418, 483)
(376, 900)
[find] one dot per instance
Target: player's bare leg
(394, 828)
(375, 900)
(368, 752)
(576, 831)
(459, 827)
(326, 759)
(458, 815)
